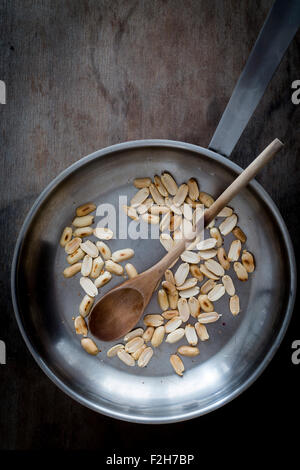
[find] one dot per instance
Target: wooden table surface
(85, 74)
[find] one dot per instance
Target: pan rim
(137, 418)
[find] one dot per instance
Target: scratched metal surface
(82, 75)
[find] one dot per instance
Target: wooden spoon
(118, 311)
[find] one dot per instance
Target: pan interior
(237, 345)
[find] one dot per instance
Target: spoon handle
(236, 186)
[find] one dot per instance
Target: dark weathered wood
(82, 75)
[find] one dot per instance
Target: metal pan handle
(274, 38)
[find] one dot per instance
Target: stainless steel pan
(240, 347)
